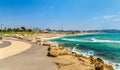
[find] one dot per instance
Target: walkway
(35, 58)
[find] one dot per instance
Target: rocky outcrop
(57, 51)
(99, 64)
(67, 60)
(108, 67)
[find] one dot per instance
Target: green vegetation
(18, 30)
(0, 38)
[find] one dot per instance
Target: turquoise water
(106, 46)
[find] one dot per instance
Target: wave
(116, 66)
(110, 41)
(78, 51)
(92, 40)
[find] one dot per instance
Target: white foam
(73, 40)
(109, 41)
(92, 40)
(49, 38)
(113, 64)
(87, 54)
(74, 48)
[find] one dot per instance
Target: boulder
(108, 67)
(75, 54)
(69, 62)
(57, 51)
(65, 60)
(99, 66)
(46, 44)
(77, 66)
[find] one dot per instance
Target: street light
(1, 31)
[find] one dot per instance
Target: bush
(0, 38)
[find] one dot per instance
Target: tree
(29, 30)
(48, 29)
(23, 28)
(17, 29)
(9, 30)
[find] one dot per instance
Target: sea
(102, 45)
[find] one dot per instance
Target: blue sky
(61, 14)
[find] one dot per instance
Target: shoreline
(66, 36)
(115, 65)
(46, 42)
(106, 61)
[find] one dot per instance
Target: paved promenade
(34, 58)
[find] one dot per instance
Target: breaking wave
(92, 40)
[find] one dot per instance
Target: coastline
(50, 38)
(66, 52)
(115, 65)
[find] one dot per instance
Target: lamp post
(1, 31)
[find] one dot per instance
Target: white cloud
(109, 16)
(114, 18)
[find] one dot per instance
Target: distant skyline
(61, 14)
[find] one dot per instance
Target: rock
(46, 44)
(99, 66)
(75, 54)
(54, 45)
(56, 51)
(77, 66)
(117, 65)
(65, 60)
(84, 59)
(108, 67)
(65, 52)
(33, 40)
(98, 60)
(92, 60)
(69, 62)
(38, 43)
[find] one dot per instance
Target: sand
(13, 49)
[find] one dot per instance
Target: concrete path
(14, 48)
(35, 58)
(5, 44)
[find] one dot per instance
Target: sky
(61, 14)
